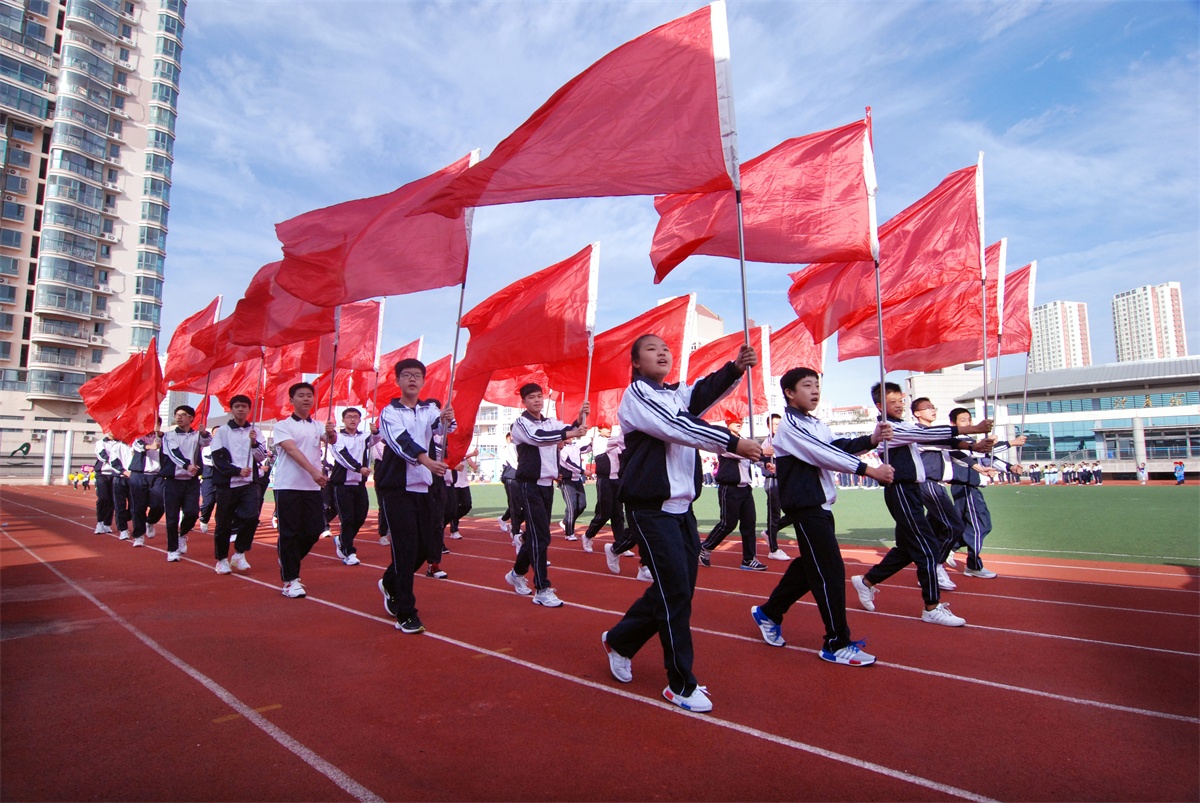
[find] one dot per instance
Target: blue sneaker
(850, 655)
(771, 632)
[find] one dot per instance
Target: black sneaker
(389, 602)
(411, 625)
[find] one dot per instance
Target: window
(170, 25)
(9, 266)
(146, 286)
(6, 321)
(97, 356)
(22, 133)
(8, 294)
(76, 163)
(114, 151)
(126, 31)
(24, 101)
(166, 70)
(168, 47)
(60, 269)
(140, 338)
(162, 117)
(75, 245)
(177, 6)
(151, 262)
(12, 211)
(81, 112)
(157, 188)
(160, 140)
(156, 163)
(101, 303)
(146, 312)
(10, 238)
(81, 139)
(155, 213)
(71, 189)
(5, 350)
(71, 217)
(163, 93)
(123, 54)
(155, 238)
(20, 71)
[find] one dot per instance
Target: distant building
(1060, 337)
(1148, 323)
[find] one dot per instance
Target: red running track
(127, 678)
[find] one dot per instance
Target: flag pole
(982, 272)
(462, 294)
(337, 331)
(745, 306)
(1024, 398)
(378, 356)
(590, 322)
(882, 371)
(872, 188)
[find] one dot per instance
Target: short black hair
(407, 363)
(890, 387)
(774, 417)
(299, 386)
(956, 412)
(349, 410)
(529, 388)
(187, 408)
(917, 401)
(793, 375)
(240, 399)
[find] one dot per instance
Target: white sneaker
(150, 531)
(456, 535)
(778, 554)
(516, 541)
(627, 553)
(587, 544)
(850, 655)
(620, 666)
(572, 538)
(505, 527)
(326, 533)
(385, 540)
(518, 583)
(233, 538)
(950, 561)
(183, 545)
(337, 548)
(107, 530)
(941, 616)
(203, 526)
(222, 567)
(139, 541)
(980, 572)
(239, 562)
(866, 594)
(351, 560)
(274, 522)
(547, 598)
(943, 580)
(99, 529)
(172, 557)
(123, 536)
(294, 589)
(772, 633)
(696, 702)
(644, 574)
(612, 559)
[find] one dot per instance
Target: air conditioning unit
(10, 198)
(111, 186)
(89, 437)
(96, 339)
(12, 171)
(35, 436)
(103, 288)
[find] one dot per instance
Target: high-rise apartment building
(1148, 323)
(1060, 336)
(88, 93)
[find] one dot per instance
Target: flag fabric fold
(268, 315)
(184, 360)
(653, 116)
(371, 247)
(713, 355)
(806, 200)
(124, 401)
(793, 347)
(936, 241)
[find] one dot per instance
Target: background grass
(1156, 524)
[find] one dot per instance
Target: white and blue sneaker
(696, 702)
(771, 632)
(850, 655)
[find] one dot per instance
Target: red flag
(214, 342)
(544, 317)
(357, 336)
(935, 241)
(124, 401)
(793, 347)
(946, 314)
(370, 247)
(183, 358)
(1018, 309)
(354, 389)
(437, 381)
(713, 355)
(653, 116)
(268, 315)
(807, 199)
(386, 388)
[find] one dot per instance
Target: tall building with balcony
(1148, 323)
(1060, 337)
(88, 94)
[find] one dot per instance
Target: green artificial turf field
(1157, 524)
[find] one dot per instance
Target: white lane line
(341, 779)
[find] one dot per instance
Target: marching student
(513, 516)
(402, 481)
(661, 478)
(146, 486)
(458, 493)
(299, 478)
(943, 516)
(104, 492)
(236, 452)
(351, 457)
(771, 488)
(965, 486)
(737, 507)
(537, 438)
(570, 483)
(179, 466)
(208, 489)
(806, 457)
(120, 455)
(915, 540)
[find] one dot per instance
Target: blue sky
(1087, 112)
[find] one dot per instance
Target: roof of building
(1154, 373)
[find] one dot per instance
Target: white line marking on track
(341, 779)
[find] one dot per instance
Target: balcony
(57, 305)
(61, 332)
(81, 280)
(50, 389)
(58, 360)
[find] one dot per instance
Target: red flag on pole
(387, 389)
(934, 242)
(370, 247)
(807, 199)
(356, 345)
(793, 347)
(268, 315)
(1018, 309)
(182, 355)
(653, 116)
(713, 355)
(214, 342)
(124, 401)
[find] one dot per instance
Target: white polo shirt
(306, 434)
